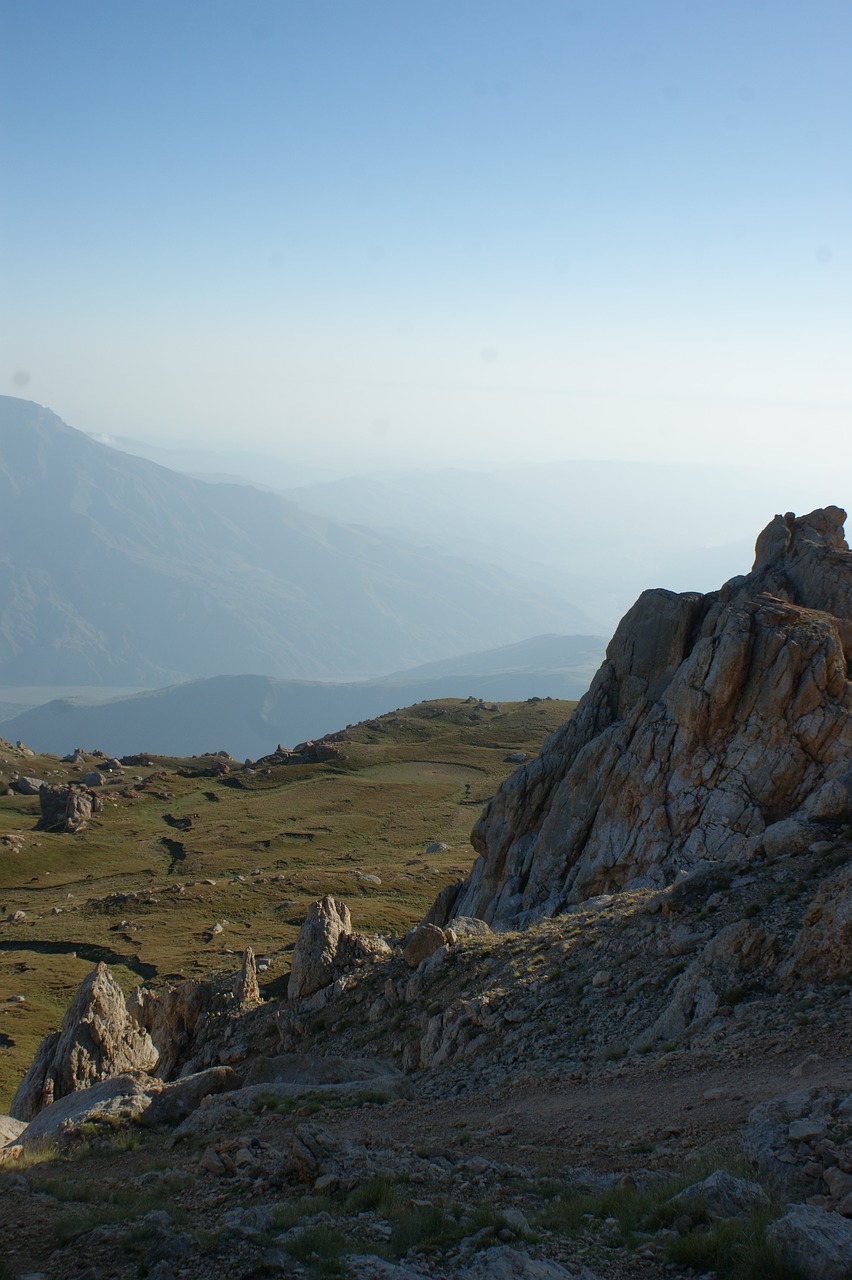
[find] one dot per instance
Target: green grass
(410, 778)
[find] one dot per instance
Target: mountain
(250, 715)
(115, 570)
(599, 531)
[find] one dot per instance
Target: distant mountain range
(598, 532)
(250, 715)
(116, 571)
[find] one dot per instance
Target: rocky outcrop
(327, 947)
(718, 727)
(823, 950)
(99, 1038)
(800, 1147)
(246, 990)
(176, 1019)
(67, 808)
(315, 955)
(741, 952)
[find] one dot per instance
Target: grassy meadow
(177, 851)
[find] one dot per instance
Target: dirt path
(641, 1115)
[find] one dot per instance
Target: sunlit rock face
(719, 727)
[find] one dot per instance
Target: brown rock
(424, 942)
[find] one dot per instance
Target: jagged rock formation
(718, 727)
(98, 1038)
(67, 808)
(326, 947)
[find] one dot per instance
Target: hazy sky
(463, 230)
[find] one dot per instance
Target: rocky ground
(542, 1094)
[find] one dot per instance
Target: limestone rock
(815, 1241)
(723, 1196)
(246, 989)
(173, 1102)
(174, 1019)
(316, 950)
(424, 941)
(782, 1141)
(98, 1038)
(738, 950)
(122, 1097)
(718, 726)
(24, 786)
(67, 808)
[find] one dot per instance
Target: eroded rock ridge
(719, 727)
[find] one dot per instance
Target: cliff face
(718, 727)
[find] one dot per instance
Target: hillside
(182, 844)
(248, 715)
(114, 570)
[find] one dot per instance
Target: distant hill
(114, 570)
(250, 715)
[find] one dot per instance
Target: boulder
(713, 719)
(172, 1103)
(425, 940)
(723, 1196)
(122, 1098)
(98, 1038)
(27, 786)
(67, 808)
(815, 1241)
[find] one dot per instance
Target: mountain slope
(250, 715)
(115, 570)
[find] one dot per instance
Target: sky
(451, 233)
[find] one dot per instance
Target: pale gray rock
(819, 1243)
(712, 720)
(121, 1098)
(175, 1019)
(738, 951)
(24, 786)
(723, 1195)
(98, 1038)
(173, 1102)
(366, 1266)
(316, 951)
(774, 1143)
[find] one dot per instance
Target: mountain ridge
(115, 570)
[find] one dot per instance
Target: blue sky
(437, 232)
